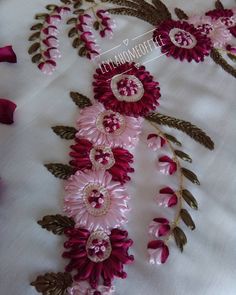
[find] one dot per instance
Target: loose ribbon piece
(7, 109)
(7, 54)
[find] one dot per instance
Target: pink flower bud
(158, 252)
(51, 41)
(166, 165)
(52, 53)
(63, 10)
(47, 67)
(231, 49)
(51, 30)
(159, 227)
(167, 197)
(155, 141)
(53, 19)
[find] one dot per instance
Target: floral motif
(115, 160)
(214, 29)
(94, 201)
(182, 41)
(7, 109)
(226, 17)
(166, 165)
(167, 197)
(105, 127)
(155, 142)
(127, 89)
(158, 252)
(159, 227)
(83, 288)
(97, 254)
(106, 23)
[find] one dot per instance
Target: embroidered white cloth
(201, 93)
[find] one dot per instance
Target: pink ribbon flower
(155, 142)
(158, 252)
(7, 109)
(7, 55)
(166, 165)
(159, 227)
(167, 197)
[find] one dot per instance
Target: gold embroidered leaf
(78, 11)
(72, 20)
(190, 175)
(77, 42)
(72, 32)
(133, 12)
(181, 14)
(34, 47)
(180, 238)
(193, 131)
(36, 27)
(187, 219)
(189, 199)
(218, 59)
(232, 57)
(183, 156)
(41, 15)
(173, 139)
(219, 5)
(61, 171)
(65, 132)
(53, 283)
(96, 25)
(36, 58)
(82, 52)
(164, 12)
(56, 223)
(80, 100)
(35, 36)
(78, 4)
(51, 7)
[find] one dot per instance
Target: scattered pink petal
(166, 165)
(167, 197)
(7, 55)
(155, 141)
(159, 227)
(158, 252)
(7, 109)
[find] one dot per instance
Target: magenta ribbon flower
(7, 54)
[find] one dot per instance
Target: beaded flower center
(205, 28)
(227, 21)
(182, 38)
(102, 157)
(98, 246)
(127, 88)
(110, 122)
(96, 199)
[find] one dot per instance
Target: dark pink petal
(7, 109)
(164, 254)
(155, 244)
(166, 190)
(161, 220)
(172, 201)
(163, 230)
(7, 55)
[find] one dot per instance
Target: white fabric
(201, 93)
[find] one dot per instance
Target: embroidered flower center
(182, 38)
(127, 88)
(102, 157)
(227, 21)
(96, 199)
(98, 246)
(205, 28)
(110, 122)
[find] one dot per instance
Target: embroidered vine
(190, 38)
